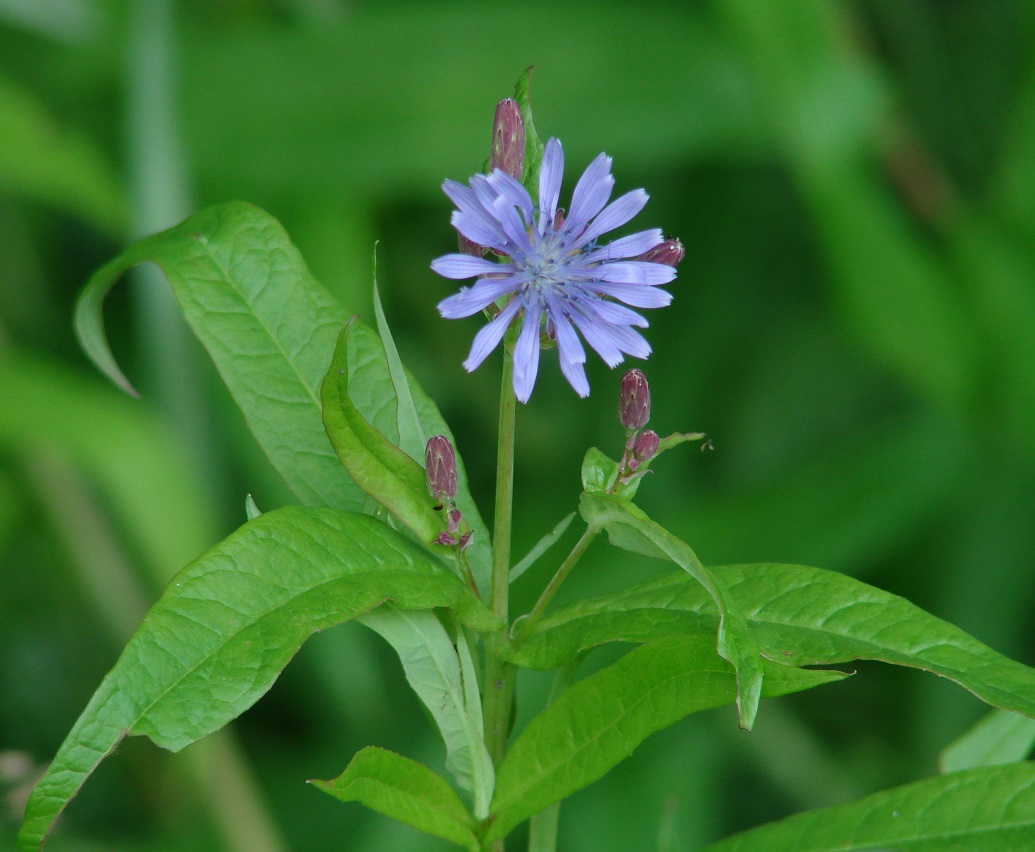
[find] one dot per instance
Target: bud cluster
(440, 471)
(641, 444)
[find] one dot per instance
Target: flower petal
(526, 354)
(626, 247)
(479, 229)
(634, 295)
(514, 192)
(460, 266)
(550, 174)
(612, 312)
(636, 272)
(616, 214)
(597, 334)
(483, 293)
(489, 337)
(591, 192)
(513, 227)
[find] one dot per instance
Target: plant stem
(555, 582)
(499, 680)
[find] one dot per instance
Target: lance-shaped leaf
(433, 669)
(227, 625)
(981, 810)
(407, 791)
(270, 330)
(802, 616)
(269, 327)
(380, 468)
(629, 528)
(601, 719)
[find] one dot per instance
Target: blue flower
(553, 273)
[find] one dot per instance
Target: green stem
(499, 676)
(555, 582)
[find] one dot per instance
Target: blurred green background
(854, 325)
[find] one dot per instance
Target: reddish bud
(669, 253)
(634, 400)
(440, 468)
(646, 445)
(508, 139)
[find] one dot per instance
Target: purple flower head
(554, 273)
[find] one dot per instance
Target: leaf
(801, 616)
(269, 327)
(600, 720)
(1000, 737)
(433, 670)
(377, 465)
(404, 790)
(540, 547)
(228, 624)
(982, 810)
(412, 439)
(534, 146)
(628, 528)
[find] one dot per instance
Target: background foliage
(854, 325)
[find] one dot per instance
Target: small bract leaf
(991, 809)
(404, 790)
(598, 471)
(600, 720)
(228, 624)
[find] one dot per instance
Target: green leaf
(600, 720)
(269, 327)
(412, 439)
(433, 669)
(630, 529)
(380, 468)
(404, 790)
(598, 471)
(982, 810)
(228, 624)
(534, 146)
(540, 547)
(1000, 737)
(801, 616)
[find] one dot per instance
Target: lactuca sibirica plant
(386, 532)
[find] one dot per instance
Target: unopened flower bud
(508, 139)
(440, 468)
(669, 253)
(634, 400)
(646, 445)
